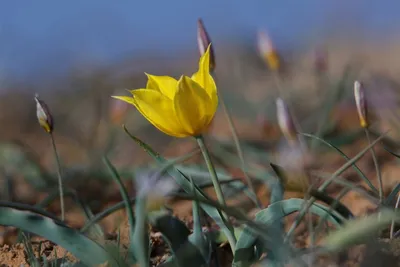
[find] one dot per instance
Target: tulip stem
(60, 185)
(218, 190)
(211, 169)
(378, 171)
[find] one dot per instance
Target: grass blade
(124, 195)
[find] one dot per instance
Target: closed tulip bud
(203, 41)
(285, 121)
(361, 102)
(268, 52)
(43, 114)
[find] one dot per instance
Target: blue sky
(50, 35)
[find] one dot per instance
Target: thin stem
(239, 149)
(60, 186)
(240, 154)
(332, 207)
(211, 169)
(324, 185)
(218, 190)
(326, 110)
(392, 225)
(378, 171)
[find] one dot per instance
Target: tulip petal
(165, 84)
(193, 106)
(204, 78)
(157, 109)
(127, 99)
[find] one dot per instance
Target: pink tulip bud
(203, 41)
(43, 114)
(361, 102)
(285, 120)
(267, 51)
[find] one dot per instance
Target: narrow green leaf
(98, 217)
(360, 230)
(334, 176)
(30, 220)
(176, 235)
(201, 177)
(392, 196)
(182, 181)
(277, 211)
(68, 192)
(339, 207)
(199, 238)
(140, 237)
(124, 195)
(391, 152)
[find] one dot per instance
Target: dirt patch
(15, 255)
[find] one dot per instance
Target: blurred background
(42, 41)
(76, 54)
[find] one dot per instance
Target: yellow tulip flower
(178, 108)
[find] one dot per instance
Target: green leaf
(391, 152)
(140, 238)
(199, 238)
(185, 250)
(173, 229)
(187, 255)
(183, 182)
(39, 222)
(326, 183)
(68, 192)
(340, 208)
(125, 197)
(201, 176)
(247, 241)
(359, 230)
(392, 196)
(99, 216)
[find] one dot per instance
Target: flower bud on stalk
(43, 114)
(285, 121)
(268, 52)
(203, 41)
(361, 102)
